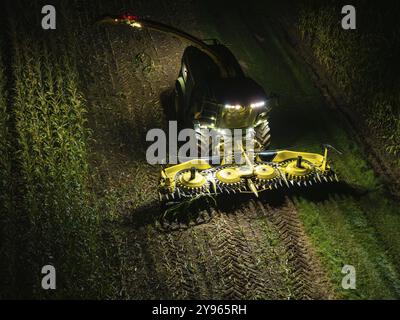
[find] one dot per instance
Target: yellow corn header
(269, 170)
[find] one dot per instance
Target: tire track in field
(233, 252)
(271, 278)
(306, 270)
(247, 263)
(186, 260)
(181, 270)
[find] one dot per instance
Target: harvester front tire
(203, 141)
(263, 134)
(178, 104)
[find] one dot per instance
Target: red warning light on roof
(129, 17)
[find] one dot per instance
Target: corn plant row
(60, 225)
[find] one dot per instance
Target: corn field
(50, 204)
(362, 62)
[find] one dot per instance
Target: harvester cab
(205, 100)
(212, 92)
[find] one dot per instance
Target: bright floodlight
(136, 24)
(230, 106)
(258, 104)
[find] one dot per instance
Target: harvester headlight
(136, 24)
(258, 104)
(233, 107)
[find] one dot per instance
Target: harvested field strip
(248, 253)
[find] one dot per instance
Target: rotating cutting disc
(298, 172)
(187, 180)
(264, 172)
(228, 175)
